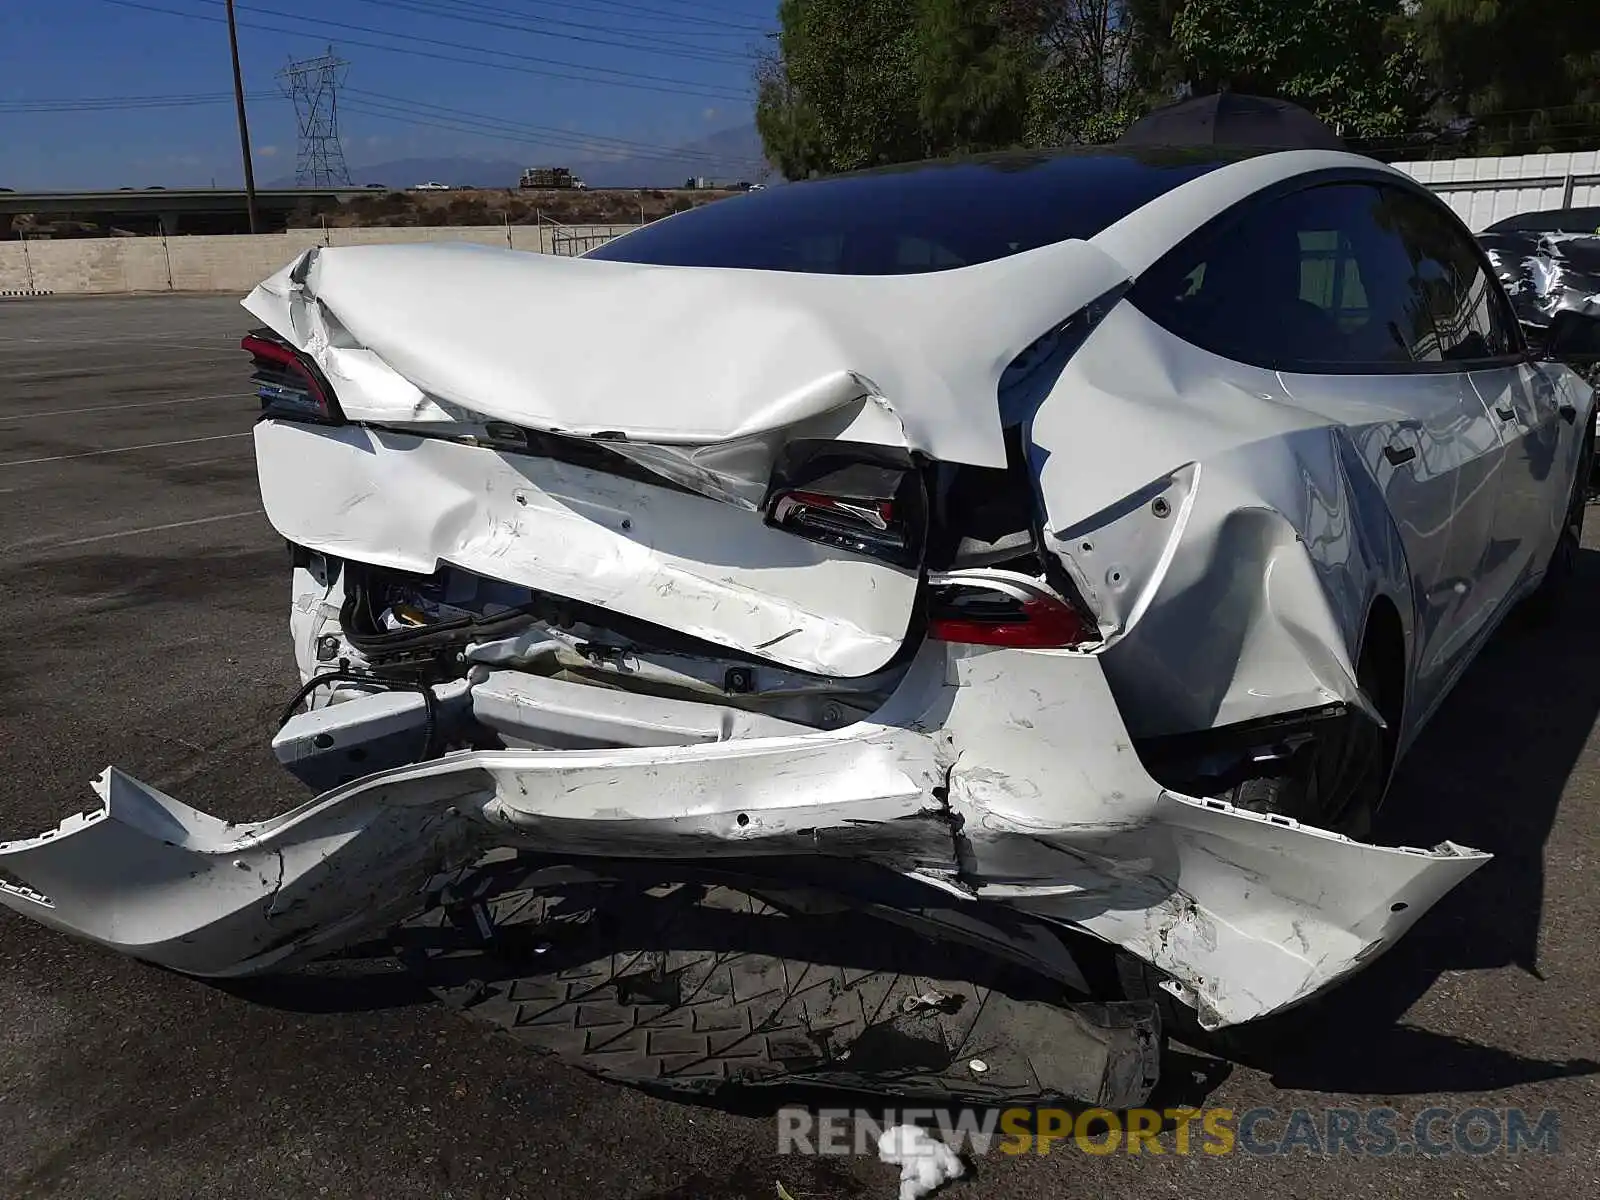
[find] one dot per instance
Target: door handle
(1569, 413)
(1506, 414)
(1398, 456)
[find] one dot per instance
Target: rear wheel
(1337, 779)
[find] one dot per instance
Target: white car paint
(713, 571)
(1249, 913)
(1230, 528)
(810, 346)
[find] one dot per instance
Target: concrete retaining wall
(90, 266)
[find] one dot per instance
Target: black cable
(429, 700)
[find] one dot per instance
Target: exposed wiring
(381, 683)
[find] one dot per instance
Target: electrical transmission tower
(313, 85)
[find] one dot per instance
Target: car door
(1478, 333)
(1318, 284)
(1415, 419)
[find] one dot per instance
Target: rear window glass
(924, 217)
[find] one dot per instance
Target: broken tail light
(999, 608)
(855, 498)
(288, 385)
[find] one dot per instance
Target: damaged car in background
(1549, 263)
(917, 625)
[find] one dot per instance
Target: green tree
(843, 91)
(1355, 63)
(1085, 86)
(1528, 71)
(972, 77)
(859, 83)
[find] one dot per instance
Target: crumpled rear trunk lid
(731, 454)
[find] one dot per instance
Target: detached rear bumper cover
(951, 783)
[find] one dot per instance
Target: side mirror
(1574, 338)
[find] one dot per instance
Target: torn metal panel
(996, 776)
(704, 568)
(1238, 511)
(1265, 913)
(726, 354)
(550, 713)
(1250, 913)
(154, 878)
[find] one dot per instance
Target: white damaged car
(1036, 553)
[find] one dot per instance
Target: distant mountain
(726, 156)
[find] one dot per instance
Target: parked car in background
(430, 187)
(1549, 261)
(1050, 554)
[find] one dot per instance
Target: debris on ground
(925, 1162)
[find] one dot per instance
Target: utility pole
(244, 127)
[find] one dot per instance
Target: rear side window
(1470, 313)
(1342, 276)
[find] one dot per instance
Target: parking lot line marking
(122, 533)
(72, 412)
(216, 437)
(78, 369)
(121, 345)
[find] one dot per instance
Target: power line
(702, 26)
(626, 78)
(391, 107)
(503, 135)
(113, 103)
(689, 4)
(473, 14)
(275, 12)
(577, 138)
(534, 136)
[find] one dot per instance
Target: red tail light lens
(991, 610)
(865, 507)
(287, 385)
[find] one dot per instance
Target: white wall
(88, 266)
(1483, 190)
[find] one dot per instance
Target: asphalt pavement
(143, 611)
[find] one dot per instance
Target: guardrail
(567, 241)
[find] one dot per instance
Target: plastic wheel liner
(947, 785)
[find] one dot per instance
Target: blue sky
(108, 93)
